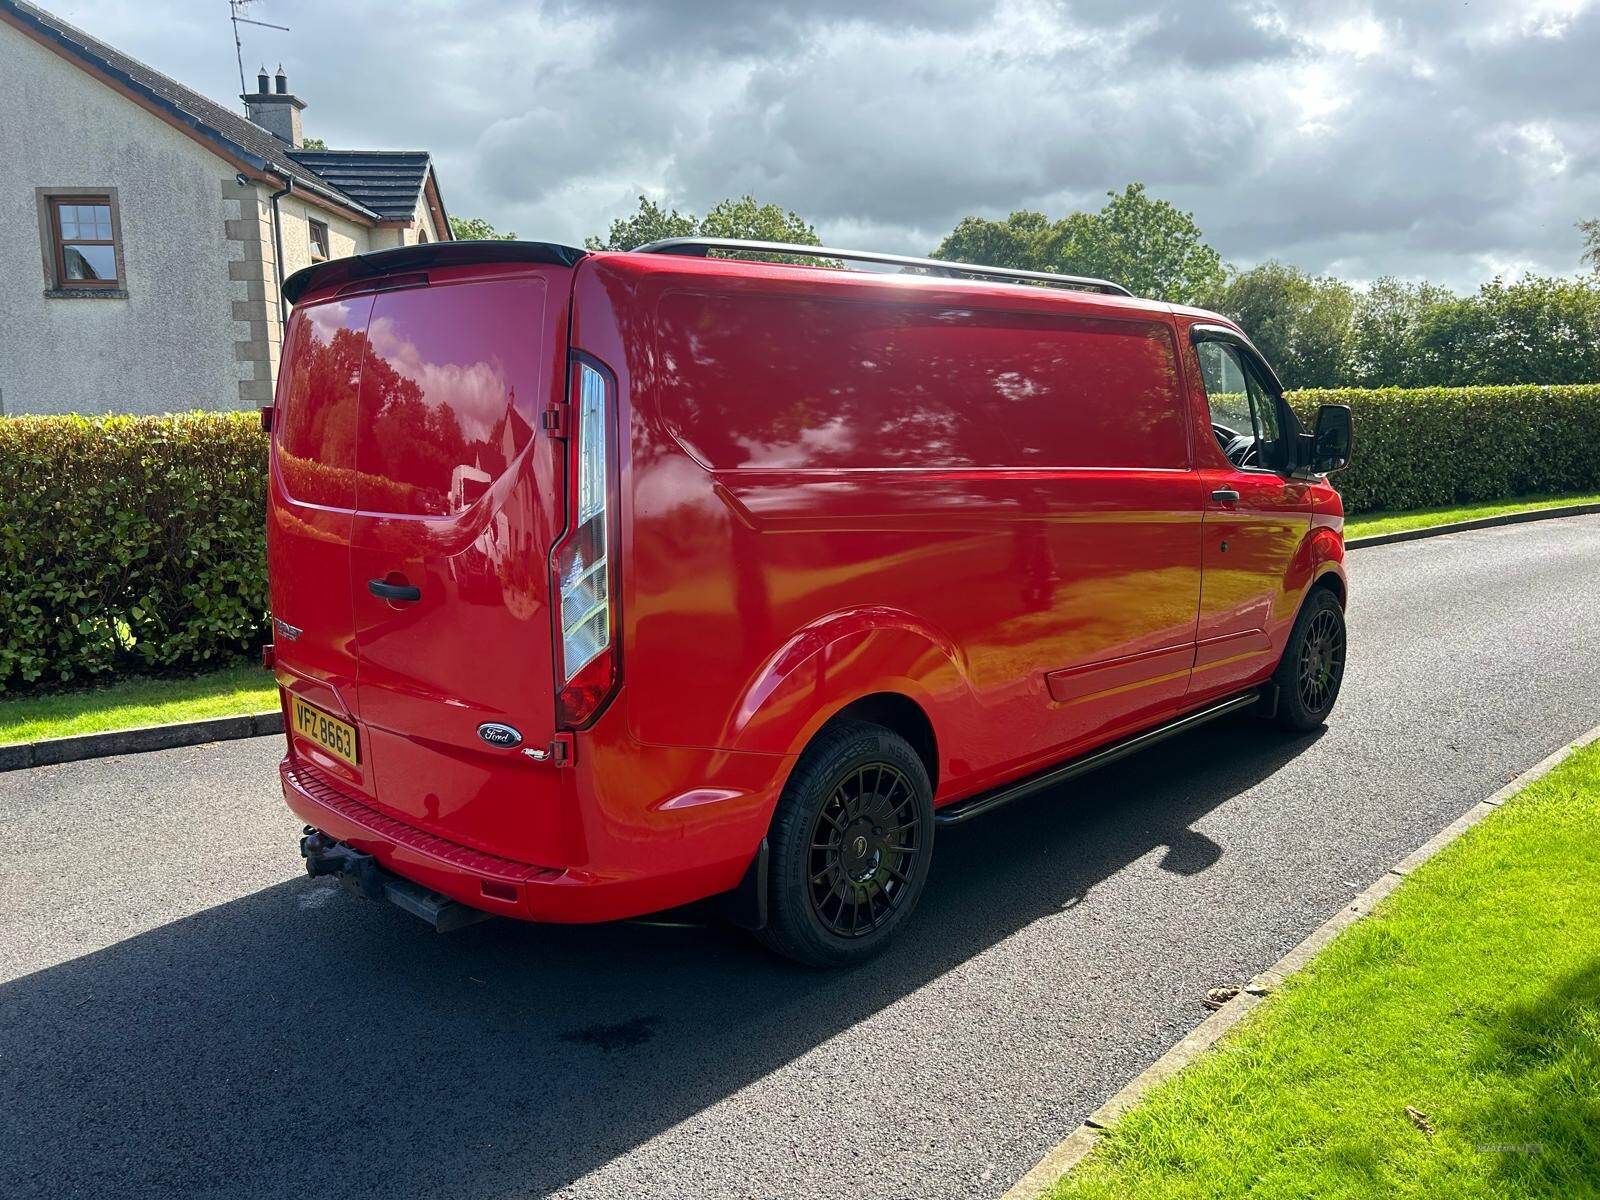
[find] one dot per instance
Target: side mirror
(1330, 444)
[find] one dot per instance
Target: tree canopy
(740, 217)
(476, 229)
(1302, 324)
(1149, 246)
(1591, 242)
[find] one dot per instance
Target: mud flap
(746, 905)
(1266, 705)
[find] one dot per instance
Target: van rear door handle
(1225, 496)
(402, 592)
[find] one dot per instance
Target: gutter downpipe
(277, 263)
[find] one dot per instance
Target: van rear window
(778, 381)
(317, 402)
(449, 393)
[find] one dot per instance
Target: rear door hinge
(554, 420)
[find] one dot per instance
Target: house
(163, 224)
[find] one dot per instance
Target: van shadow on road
(300, 1041)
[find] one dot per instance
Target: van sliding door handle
(402, 592)
(1225, 496)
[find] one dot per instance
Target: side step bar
(973, 806)
(361, 873)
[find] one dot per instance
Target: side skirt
(965, 810)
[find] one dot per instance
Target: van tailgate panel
(460, 496)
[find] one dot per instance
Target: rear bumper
(486, 881)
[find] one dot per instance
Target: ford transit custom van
(606, 582)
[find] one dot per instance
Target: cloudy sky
(1449, 140)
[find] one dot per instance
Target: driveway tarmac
(184, 1012)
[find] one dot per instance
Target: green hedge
(136, 543)
(129, 544)
(1422, 447)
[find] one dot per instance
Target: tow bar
(361, 873)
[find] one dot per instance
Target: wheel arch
(900, 714)
(873, 663)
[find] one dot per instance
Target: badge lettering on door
(499, 735)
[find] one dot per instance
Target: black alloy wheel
(864, 849)
(850, 845)
(1312, 668)
(1321, 660)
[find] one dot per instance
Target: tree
(1386, 333)
(1302, 324)
(311, 143)
(1591, 243)
(743, 217)
(1149, 246)
(651, 223)
(476, 229)
(1535, 330)
(1026, 241)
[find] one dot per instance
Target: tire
(1312, 668)
(850, 845)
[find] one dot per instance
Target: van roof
(665, 254)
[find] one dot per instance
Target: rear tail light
(584, 566)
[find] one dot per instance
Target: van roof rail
(698, 246)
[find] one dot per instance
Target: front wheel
(1312, 667)
(851, 841)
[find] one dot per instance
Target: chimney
(276, 111)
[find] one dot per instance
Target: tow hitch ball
(324, 856)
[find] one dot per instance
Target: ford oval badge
(499, 735)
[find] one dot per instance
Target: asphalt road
(183, 1012)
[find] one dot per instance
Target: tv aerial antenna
(236, 13)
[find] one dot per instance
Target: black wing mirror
(1330, 444)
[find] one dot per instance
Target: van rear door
(312, 500)
(459, 498)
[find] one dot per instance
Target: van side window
(864, 384)
(1244, 417)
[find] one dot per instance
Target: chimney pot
(262, 86)
(276, 111)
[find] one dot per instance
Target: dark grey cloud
(764, 29)
(1412, 137)
(1214, 36)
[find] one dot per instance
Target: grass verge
(1420, 518)
(134, 702)
(1448, 1045)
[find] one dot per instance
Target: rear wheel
(1312, 667)
(850, 845)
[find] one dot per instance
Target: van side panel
(976, 499)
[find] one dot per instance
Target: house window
(82, 242)
(319, 241)
(422, 237)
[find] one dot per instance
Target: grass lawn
(1472, 995)
(226, 693)
(1420, 518)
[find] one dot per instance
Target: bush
(1422, 447)
(129, 544)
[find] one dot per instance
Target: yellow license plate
(333, 735)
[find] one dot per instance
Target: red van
(606, 582)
